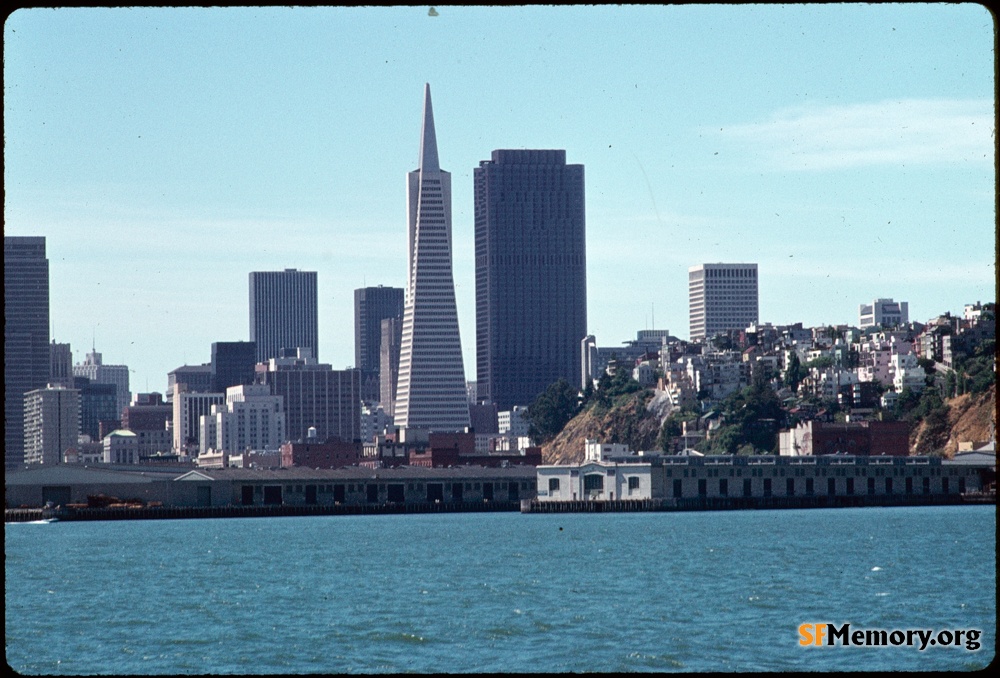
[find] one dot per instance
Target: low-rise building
(121, 447)
(334, 453)
(863, 438)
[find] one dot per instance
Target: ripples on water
(711, 591)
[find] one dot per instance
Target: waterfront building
(315, 396)
(94, 369)
(388, 366)
(26, 352)
(883, 313)
(431, 391)
(98, 403)
(721, 297)
(531, 274)
(372, 306)
(333, 453)
(283, 312)
(679, 480)
(51, 424)
(232, 364)
(60, 365)
(857, 438)
(194, 378)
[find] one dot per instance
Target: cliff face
(629, 422)
(971, 418)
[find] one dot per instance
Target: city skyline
(861, 169)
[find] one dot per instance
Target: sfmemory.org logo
(828, 634)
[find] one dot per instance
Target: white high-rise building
(188, 408)
(51, 423)
(250, 419)
(721, 297)
(431, 393)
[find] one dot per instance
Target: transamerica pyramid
(431, 392)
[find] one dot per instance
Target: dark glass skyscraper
(26, 357)
(372, 305)
(232, 364)
(531, 274)
(283, 312)
(98, 402)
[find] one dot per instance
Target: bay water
(498, 592)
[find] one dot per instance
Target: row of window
(799, 472)
(831, 487)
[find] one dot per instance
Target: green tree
(552, 410)
(673, 428)
(794, 373)
(820, 363)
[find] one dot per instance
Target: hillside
(628, 421)
(635, 420)
(971, 417)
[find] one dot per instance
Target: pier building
(679, 477)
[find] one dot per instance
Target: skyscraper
(372, 305)
(233, 364)
(94, 369)
(61, 365)
(26, 357)
(531, 274)
(98, 401)
(431, 391)
(315, 396)
(388, 364)
(283, 312)
(721, 297)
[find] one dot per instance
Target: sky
(165, 153)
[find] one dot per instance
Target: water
(708, 591)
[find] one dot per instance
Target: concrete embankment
(744, 503)
(181, 512)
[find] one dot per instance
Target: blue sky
(166, 153)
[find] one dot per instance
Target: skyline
(839, 167)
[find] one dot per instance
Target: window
(633, 483)
(553, 484)
(593, 481)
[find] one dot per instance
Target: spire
(428, 142)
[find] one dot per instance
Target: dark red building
(333, 453)
(862, 438)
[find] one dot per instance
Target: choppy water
(711, 591)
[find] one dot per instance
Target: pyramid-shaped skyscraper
(431, 393)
